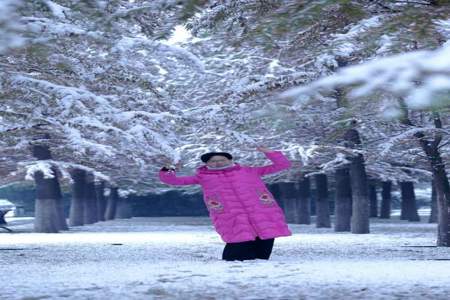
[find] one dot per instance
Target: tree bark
(373, 200)
(124, 209)
(112, 204)
(304, 201)
(358, 176)
(275, 190)
(90, 201)
(409, 205)
(343, 200)
(386, 200)
(288, 194)
(49, 211)
(322, 204)
(431, 149)
(76, 215)
(443, 198)
(433, 204)
(101, 201)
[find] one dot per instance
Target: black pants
(248, 250)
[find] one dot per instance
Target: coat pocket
(265, 197)
(214, 204)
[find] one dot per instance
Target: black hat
(205, 157)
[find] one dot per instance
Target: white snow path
(179, 258)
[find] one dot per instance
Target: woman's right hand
(177, 167)
(167, 169)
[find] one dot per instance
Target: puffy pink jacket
(239, 204)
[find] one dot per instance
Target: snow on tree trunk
(124, 209)
(111, 204)
(373, 200)
(101, 201)
(433, 204)
(358, 178)
(49, 214)
(90, 201)
(322, 204)
(289, 196)
(76, 215)
(409, 205)
(304, 201)
(343, 200)
(385, 212)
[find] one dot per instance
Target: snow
(171, 50)
(397, 74)
(10, 28)
(39, 166)
(356, 30)
(57, 10)
(179, 258)
(5, 204)
(179, 35)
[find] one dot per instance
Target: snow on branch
(127, 43)
(71, 97)
(406, 135)
(9, 27)
(338, 161)
(57, 10)
(44, 167)
(420, 76)
(228, 10)
(344, 44)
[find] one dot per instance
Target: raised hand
(263, 149)
(178, 165)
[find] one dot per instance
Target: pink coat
(239, 204)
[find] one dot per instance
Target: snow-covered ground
(179, 258)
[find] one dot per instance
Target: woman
(242, 209)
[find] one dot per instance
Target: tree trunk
(433, 204)
(409, 205)
(431, 149)
(46, 215)
(443, 198)
(111, 204)
(90, 201)
(343, 200)
(49, 213)
(275, 190)
(386, 200)
(304, 201)
(124, 209)
(322, 205)
(373, 200)
(101, 201)
(403, 205)
(76, 215)
(360, 199)
(288, 194)
(62, 224)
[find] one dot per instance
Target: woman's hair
(205, 157)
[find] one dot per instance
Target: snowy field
(179, 258)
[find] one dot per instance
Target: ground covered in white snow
(179, 258)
